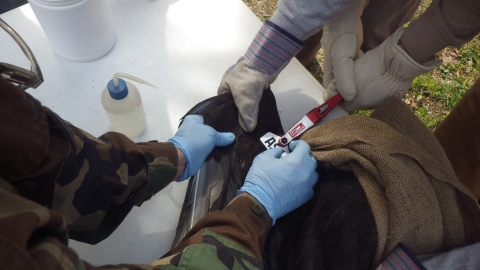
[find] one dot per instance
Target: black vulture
(334, 230)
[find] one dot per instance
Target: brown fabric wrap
(459, 135)
(409, 183)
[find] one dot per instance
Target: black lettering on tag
(271, 141)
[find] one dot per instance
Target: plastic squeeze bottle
(123, 104)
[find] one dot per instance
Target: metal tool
(309, 120)
(21, 77)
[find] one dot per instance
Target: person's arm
(101, 179)
(389, 69)
(303, 18)
(240, 230)
(34, 237)
(275, 44)
(445, 23)
(92, 182)
(274, 186)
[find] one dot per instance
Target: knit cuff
(272, 48)
(401, 258)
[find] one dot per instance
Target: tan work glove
(383, 72)
(246, 84)
(269, 53)
(341, 41)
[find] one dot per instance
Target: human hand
(196, 141)
(341, 41)
(268, 54)
(246, 84)
(282, 184)
(383, 72)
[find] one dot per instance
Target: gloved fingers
(308, 196)
(224, 138)
(248, 103)
(331, 90)
(301, 156)
(327, 74)
(293, 144)
(220, 138)
(312, 179)
(353, 106)
(246, 83)
(194, 118)
(275, 152)
(345, 79)
(222, 89)
(343, 54)
(299, 148)
(248, 120)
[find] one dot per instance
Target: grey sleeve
(461, 258)
(303, 18)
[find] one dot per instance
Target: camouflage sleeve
(92, 182)
(34, 237)
(102, 179)
(228, 239)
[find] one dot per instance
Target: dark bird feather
(225, 169)
(333, 230)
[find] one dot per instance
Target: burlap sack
(410, 185)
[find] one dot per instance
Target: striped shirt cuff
(401, 258)
(272, 48)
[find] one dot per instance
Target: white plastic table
(182, 47)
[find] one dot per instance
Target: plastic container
(123, 104)
(78, 30)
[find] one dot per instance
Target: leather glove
(282, 184)
(383, 72)
(341, 41)
(269, 53)
(196, 141)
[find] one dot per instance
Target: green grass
(434, 94)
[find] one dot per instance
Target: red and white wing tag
(300, 127)
(307, 121)
(270, 141)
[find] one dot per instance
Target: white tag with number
(270, 140)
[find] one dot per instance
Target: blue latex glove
(196, 141)
(282, 184)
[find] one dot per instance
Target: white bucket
(78, 30)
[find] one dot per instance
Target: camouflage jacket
(59, 182)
